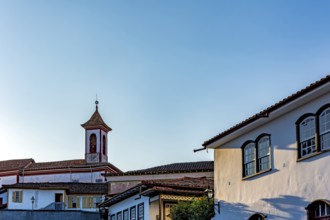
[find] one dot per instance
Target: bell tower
(96, 138)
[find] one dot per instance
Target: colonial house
(55, 196)
(275, 164)
(153, 199)
(122, 181)
(9, 173)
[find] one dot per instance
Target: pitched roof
(184, 186)
(270, 109)
(96, 121)
(188, 167)
(8, 165)
(71, 188)
(80, 163)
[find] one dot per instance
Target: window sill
(257, 174)
(313, 155)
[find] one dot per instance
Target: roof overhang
(267, 116)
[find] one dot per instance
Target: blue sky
(169, 74)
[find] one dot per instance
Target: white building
(56, 196)
(276, 164)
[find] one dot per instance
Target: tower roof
(96, 121)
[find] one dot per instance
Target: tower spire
(96, 103)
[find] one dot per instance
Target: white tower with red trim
(96, 138)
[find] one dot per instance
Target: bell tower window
(92, 144)
(104, 144)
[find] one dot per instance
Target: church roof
(188, 167)
(70, 164)
(8, 165)
(71, 188)
(96, 121)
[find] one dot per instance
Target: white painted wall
(65, 177)
(154, 209)
(128, 203)
(4, 197)
(104, 157)
(282, 193)
(6, 180)
(43, 198)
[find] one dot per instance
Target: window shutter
(84, 202)
(78, 202)
(20, 196)
(70, 201)
(91, 202)
(13, 196)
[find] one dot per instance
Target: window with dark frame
(125, 214)
(257, 216)
(325, 129)
(119, 216)
(256, 155)
(249, 159)
(313, 132)
(17, 196)
(133, 213)
(319, 210)
(113, 217)
(92, 143)
(140, 211)
(104, 143)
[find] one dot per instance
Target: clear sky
(169, 74)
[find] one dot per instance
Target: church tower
(96, 138)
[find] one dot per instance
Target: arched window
(324, 126)
(264, 153)
(92, 143)
(249, 159)
(104, 143)
(319, 209)
(258, 216)
(257, 155)
(307, 136)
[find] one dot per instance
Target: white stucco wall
(154, 208)
(65, 177)
(43, 198)
(6, 180)
(3, 196)
(128, 203)
(282, 193)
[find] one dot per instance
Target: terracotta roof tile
(80, 163)
(182, 186)
(95, 121)
(268, 110)
(7, 165)
(189, 182)
(71, 188)
(200, 166)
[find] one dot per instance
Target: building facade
(153, 199)
(56, 196)
(275, 165)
